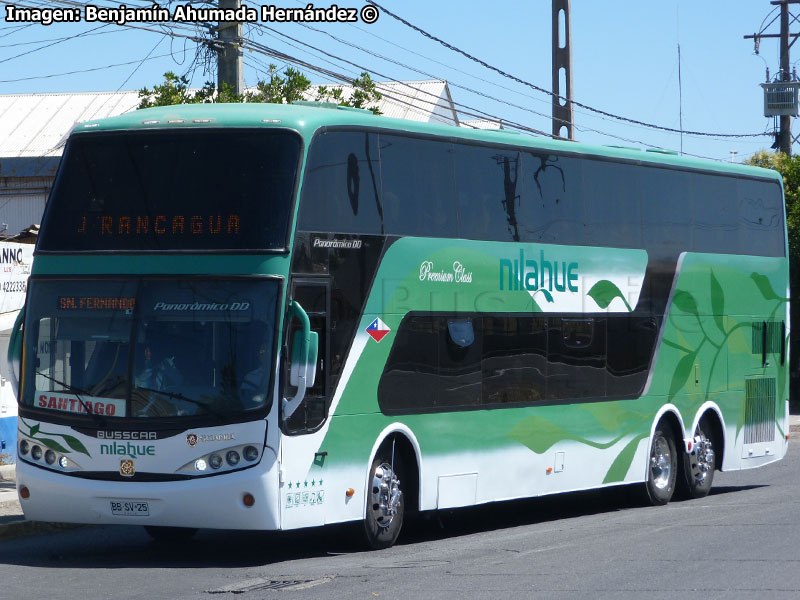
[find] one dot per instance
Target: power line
(548, 92)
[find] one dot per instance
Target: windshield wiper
(179, 396)
(77, 392)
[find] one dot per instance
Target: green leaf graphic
(717, 303)
(603, 293)
(764, 286)
(539, 435)
(685, 302)
(619, 468)
(681, 374)
(54, 445)
(34, 430)
(75, 444)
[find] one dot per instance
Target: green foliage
(364, 93)
(175, 90)
(278, 89)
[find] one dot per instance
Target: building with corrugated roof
(33, 129)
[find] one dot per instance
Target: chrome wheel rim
(385, 495)
(703, 459)
(660, 463)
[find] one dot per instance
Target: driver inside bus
(158, 374)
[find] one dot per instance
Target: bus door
(302, 465)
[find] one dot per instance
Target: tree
(279, 89)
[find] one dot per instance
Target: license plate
(130, 508)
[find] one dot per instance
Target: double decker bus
(274, 317)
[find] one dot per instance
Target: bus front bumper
(216, 502)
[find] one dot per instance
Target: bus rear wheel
(170, 534)
(662, 466)
(385, 503)
(699, 465)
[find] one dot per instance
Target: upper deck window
(195, 189)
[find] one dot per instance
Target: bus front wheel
(662, 466)
(385, 503)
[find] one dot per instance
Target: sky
(624, 61)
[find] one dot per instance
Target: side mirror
(304, 360)
(15, 353)
(303, 366)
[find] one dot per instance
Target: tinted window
(514, 359)
(185, 189)
(418, 187)
(576, 358)
(551, 209)
(612, 204)
(761, 217)
(666, 211)
(341, 190)
(715, 213)
(630, 348)
(488, 183)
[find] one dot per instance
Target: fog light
(200, 464)
(232, 457)
(250, 453)
(248, 500)
(63, 462)
(215, 460)
(24, 446)
(36, 452)
(24, 493)
(49, 457)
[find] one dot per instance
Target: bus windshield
(150, 348)
(173, 190)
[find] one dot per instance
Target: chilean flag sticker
(378, 330)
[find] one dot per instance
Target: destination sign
(159, 225)
(96, 303)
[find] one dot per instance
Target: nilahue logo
(531, 274)
(132, 450)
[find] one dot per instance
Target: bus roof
(307, 117)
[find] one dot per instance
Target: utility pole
(229, 55)
(784, 137)
(562, 60)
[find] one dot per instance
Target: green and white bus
(273, 317)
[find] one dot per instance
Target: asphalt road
(742, 541)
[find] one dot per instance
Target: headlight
(24, 446)
(215, 460)
(36, 452)
(50, 457)
(232, 457)
(250, 453)
(200, 464)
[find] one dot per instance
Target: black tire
(170, 534)
(697, 473)
(385, 505)
(662, 466)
